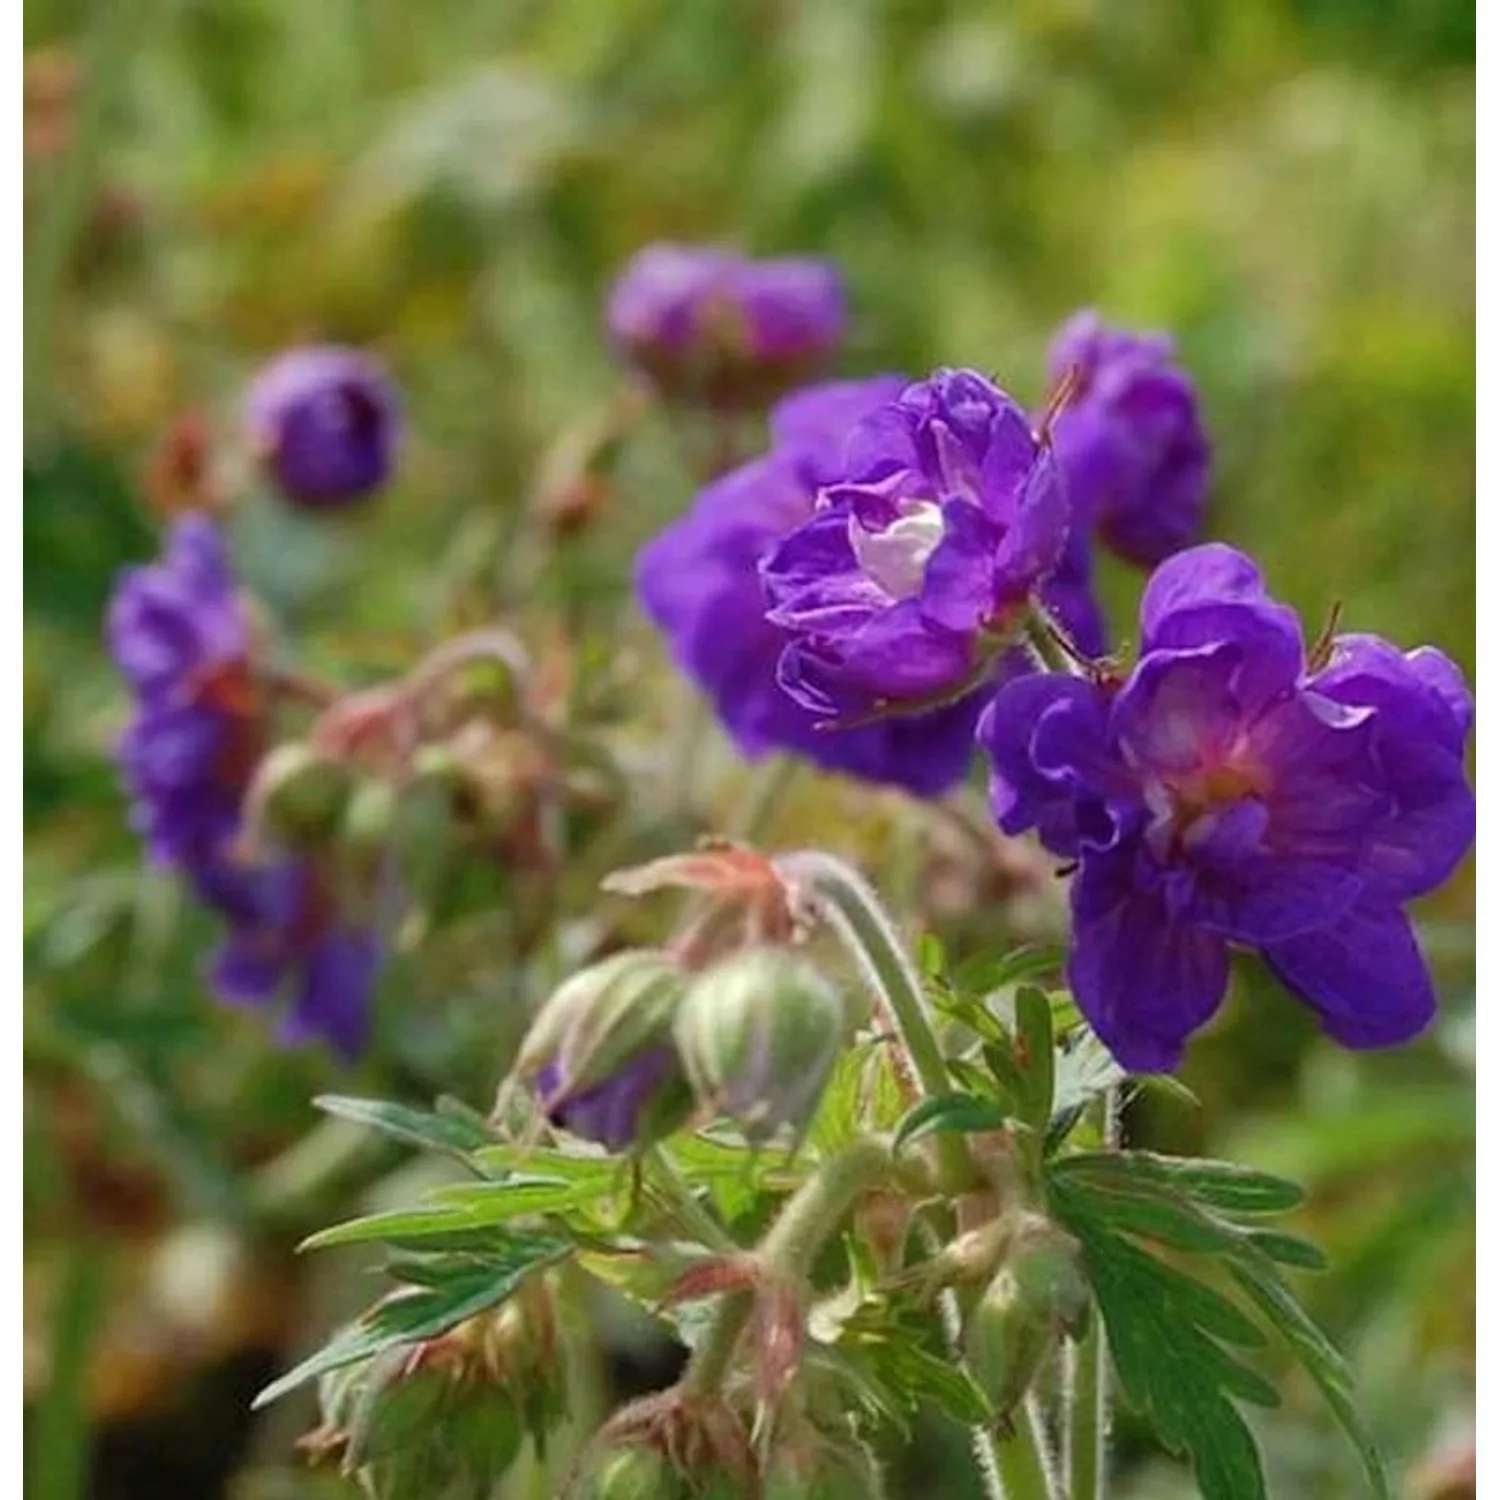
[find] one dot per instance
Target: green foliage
(1168, 1326)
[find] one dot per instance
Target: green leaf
(1318, 1357)
(1034, 1038)
(961, 1112)
(446, 1130)
(459, 1207)
(1167, 1332)
(1223, 1185)
(1022, 965)
(1288, 1249)
(475, 1286)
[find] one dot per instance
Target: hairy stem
(1086, 1374)
(854, 912)
(812, 1214)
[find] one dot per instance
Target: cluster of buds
(445, 1417)
(730, 1016)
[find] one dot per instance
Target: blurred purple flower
(699, 582)
(1130, 441)
(181, 636)
(918, 561)
(711, 325)
(1231, 792)
(325, 421)
(285, 935)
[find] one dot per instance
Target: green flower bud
(299, 795)
(1006, 1342)
(1049, 1276)
(369, 820)
(602, 1018)
(636, 1473)
(759, 1034)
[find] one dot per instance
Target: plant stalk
(811, 1216)
(855, 914)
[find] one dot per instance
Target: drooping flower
(1130, 440)
(1232, 792)
(919, 561)
(325, 422)
(181, 635)
(699, 582)
(287, 938)
(709, 325)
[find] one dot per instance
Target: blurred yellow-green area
(1285, 185)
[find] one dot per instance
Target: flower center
(896, 558)
(1212, 789)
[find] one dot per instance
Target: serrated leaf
(1323, 1363)
(960, 1112)
(1166, 1335)
(459, 1207)
(445, 1131)
(473, 1288)
(567, 1166)
(1022, 965)
(1223, 1185)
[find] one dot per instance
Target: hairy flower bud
(299, 796)
(1006, 1342)
(599, 1054)
(758, 1034)
(1038, 1293)
(634, 1473)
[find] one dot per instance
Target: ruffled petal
(1144, 982)
(1364, 975)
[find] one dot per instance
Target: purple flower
(699, 583)
(711, 325)
(918, 561)
(180, 635)
(622, 1110)
(1231, 792)
(1130, 442)
(325, 421)
(285, 935)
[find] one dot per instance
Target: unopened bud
(1006, 1343)
(299, 796)
(603, 1017)
(636, 1473)
(759, 1034)
(369, 820)
(1049, 1275)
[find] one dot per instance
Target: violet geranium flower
(641, 1100)
(180, 633)
(1130, 440)
(707, 324)
(325, 422)
(699, 583)
(918, 562)
(1232, 792)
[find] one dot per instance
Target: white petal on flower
(896, 558)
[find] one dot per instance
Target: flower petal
(1364, 975)
(1144, 982)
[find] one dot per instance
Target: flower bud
(706, 325)
(1049, 1275)
(324, 421)
(635, 1473)
(1006, 1342)
(299, 796)
(602, 1017)
(758, 1034)
(369, 820)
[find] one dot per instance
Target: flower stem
(854, 912)
(1023, 1466)
(1086, 1388)
(812, 1214)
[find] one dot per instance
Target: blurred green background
(1288, 187)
